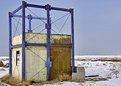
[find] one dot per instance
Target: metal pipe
(72, 38)
(30, 18)
(30, 30)
(23, 41)
(10, 44)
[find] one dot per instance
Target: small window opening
(17, 57)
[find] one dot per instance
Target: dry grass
(1, 64)
(64, 77)
(13, 81)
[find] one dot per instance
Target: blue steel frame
(48, 8)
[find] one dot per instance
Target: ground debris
(1, 64)
(96, 79)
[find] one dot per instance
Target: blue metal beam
(60, 9)
(29, 44)
(36, 44)
(72, 38)
(41, 44)
(40, 18)
(52, 8)
(23, 42)
(36, 6)
(10, 44)
(47, 7)
(15, 11)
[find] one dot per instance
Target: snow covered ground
(4, 71)
(108, 73)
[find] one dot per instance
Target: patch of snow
(105, 69)
(3, 71)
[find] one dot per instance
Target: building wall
(60, 56)
(41, 38)
(35, 63)
(17, 69)
(60, 39)
(35, 38)
(17, 40)
(36, 56)
(61, 62)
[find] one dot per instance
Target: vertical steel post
(47, 7)
(72, 38)
(30, 18)
(10, 44)
(23, 41)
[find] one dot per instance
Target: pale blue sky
(97, 24)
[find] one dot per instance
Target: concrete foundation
(79, 75)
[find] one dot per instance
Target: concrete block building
(36, 57)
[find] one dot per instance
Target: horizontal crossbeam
(52, 8)
(41, 44)
(36, 6)
(60, 9)
(40, 18)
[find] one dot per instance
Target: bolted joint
(46, 26)
(47, 7)
(24, 4)
(71, 10)
(29, 17)
(10, 14)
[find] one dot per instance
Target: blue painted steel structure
(72, 37)
(10, 45)
(23, 41)
(30, 18)
(48, 8)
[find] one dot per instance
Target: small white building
(36, 57)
